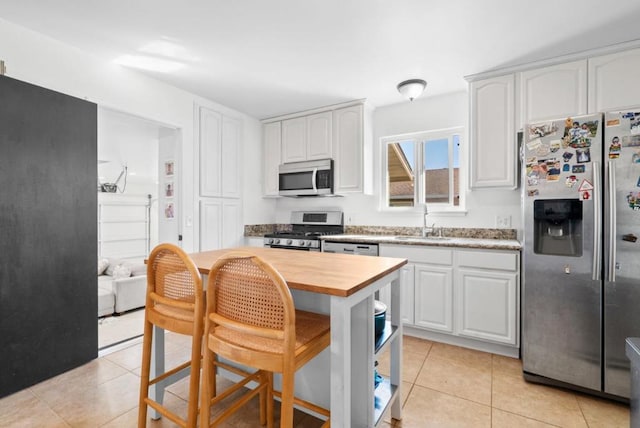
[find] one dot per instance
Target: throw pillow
(137, 269)
(121, 271)
(113, 263)
(102, 266)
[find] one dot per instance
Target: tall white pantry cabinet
(503, 103)
(219, 147)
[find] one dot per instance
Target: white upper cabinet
(294, 140)
(493, 138)
(613, 81)
(271, 157)
(348, 143)
(340, 133)
(553, 92)
(219, 147)
(319, 136)
(307, 138)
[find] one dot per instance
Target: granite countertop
(492, 239)
(458, 242)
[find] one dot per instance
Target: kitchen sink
(421, 238)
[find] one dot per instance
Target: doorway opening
(139, 190)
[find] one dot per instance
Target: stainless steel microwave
(309, 178)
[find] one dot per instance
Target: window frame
(419, 196)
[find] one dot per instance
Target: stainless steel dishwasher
(350, 248)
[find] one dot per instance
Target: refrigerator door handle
(597, 223)
(612, 221)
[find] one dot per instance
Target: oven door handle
(314, 176)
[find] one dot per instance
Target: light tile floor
(443, 386)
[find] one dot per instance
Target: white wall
(127, 140)
(40, 60)
(438, 112)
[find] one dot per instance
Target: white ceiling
(271, 57)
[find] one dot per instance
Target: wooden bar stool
(175, 302)
(250, 320)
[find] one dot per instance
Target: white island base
(340, 378)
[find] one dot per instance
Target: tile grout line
(41, 400)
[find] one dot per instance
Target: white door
(319, 136)
(553, 92)
(230, 156)
(613, 81)
(486, 305)
(407, 279)
(232, 235)
(492, 132)
(210, 224)
(434, 297)
(348, 139)
(272, 141)
(294, 140)
(210, 148)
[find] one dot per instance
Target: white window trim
(434, 208)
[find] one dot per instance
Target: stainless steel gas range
(307, 227)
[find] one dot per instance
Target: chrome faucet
(426, 230)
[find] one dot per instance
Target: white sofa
(122, 286)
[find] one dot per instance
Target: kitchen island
(343, 287)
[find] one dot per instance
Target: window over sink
(422, 168)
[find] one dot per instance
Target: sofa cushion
(121, 271)
(106, 302)
(137, 269)
(106, 283)
(113, 263)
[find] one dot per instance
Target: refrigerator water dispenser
(557, 227)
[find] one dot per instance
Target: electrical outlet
(503, 222)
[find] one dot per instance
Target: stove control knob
(309, 243)
(269, 240)
(288, 241)
(276, 241)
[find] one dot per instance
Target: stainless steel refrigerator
(581, 261)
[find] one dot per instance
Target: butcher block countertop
(324, 273)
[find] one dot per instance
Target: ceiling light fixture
(412, 88)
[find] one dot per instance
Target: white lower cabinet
(433, 304)
(407, 280)
(468, 294)
(486, 305)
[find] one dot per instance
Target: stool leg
(144, 375)
(269, 400)
(208, 387)
(194, 380)
(286, 407)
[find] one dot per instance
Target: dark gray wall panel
(48, 233)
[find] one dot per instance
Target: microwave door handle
(612, 221)
(313, 180)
